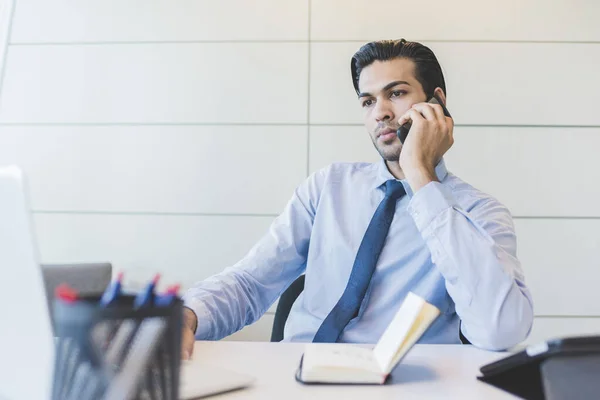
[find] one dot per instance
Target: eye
(367, 103)
(397, 93)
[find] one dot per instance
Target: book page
(339, 356)
(397, 331)
(428, 314)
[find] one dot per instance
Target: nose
(383, 111)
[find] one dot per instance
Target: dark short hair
(427, 68)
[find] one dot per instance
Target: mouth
(387, 135)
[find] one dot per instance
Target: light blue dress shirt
(448, 241)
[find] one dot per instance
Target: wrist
(419, 176)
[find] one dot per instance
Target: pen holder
(117, 352)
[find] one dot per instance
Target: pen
(146, 297)
(169, 297)
(105, 331)
(112, 292)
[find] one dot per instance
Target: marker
(169, 297)
(146, 297)
(112, 292)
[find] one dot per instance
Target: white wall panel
(157, 83)
(496, 20)
(42, 21)
(551, 328)
(6, 7)
(533, 171)
(487, 83)
(560, 259)
(194, 169)
(329, 144)
(183, 249)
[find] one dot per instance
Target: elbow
(507, 330)
(506, 337)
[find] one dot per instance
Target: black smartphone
(402, 132)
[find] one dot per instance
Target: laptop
(26, 335)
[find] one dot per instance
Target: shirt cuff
(428, 203)
(203, 330)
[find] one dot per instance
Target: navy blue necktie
(364, 265)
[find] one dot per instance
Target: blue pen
(112, 292)
(168, 298)
(146, 297)
(105, 332)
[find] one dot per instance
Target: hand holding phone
(402, 132)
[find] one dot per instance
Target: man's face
(387, 90)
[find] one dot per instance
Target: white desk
(427, 372)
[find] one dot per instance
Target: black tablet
(538, 352)
(521, 373)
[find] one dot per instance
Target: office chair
(286, 301)
(282, 312)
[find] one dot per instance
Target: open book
(346, 363)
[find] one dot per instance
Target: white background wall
(6, 7)
(166, 135)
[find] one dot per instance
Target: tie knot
(394, 189)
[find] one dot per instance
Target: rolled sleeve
(204, 328)
(429, 203)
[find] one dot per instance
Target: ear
(440, 93)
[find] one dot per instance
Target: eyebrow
(386, 87)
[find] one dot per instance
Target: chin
(390, 152)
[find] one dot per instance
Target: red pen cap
(173, 289)
(66, 293)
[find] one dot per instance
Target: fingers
(187, 343)
(411, 115)
(426, 111)
(435, 113)
(449, 123)
(404, 119)
(439, 113)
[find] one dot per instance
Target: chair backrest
(286, 301)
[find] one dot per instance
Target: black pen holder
(116, 352)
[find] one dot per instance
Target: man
(367, 234)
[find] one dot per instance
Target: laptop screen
(26, 342)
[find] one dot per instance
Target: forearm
(225, 303)
(238, 296)
(483, 280)
(482, 274)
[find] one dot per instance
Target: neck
(394, 168)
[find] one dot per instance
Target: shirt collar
(383, 175)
